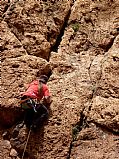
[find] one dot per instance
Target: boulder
(5, 148)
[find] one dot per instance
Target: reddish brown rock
(84, 83)
(15, 72)
(17, 68)
(95, 143)
(37, 24)
(82, 61)
(10, 46)
(105, 112)
(5, 148)
(105, 106)
(110, 72)
(3, 8)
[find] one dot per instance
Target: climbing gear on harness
(23, 103)
(27, 103)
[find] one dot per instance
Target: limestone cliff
(75, 43)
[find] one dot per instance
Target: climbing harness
(28, 103)
(26, 142)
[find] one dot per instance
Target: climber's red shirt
(33, 90)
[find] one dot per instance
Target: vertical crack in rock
(76, 130)
(95, 85)
(83, 119)
(59, 38)
(101, 65)
(82, 124)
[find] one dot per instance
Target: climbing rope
(26, 143)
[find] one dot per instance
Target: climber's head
(43, 79)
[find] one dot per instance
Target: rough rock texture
(32, 28)
(3, 7)
(4, 148)
(94, 142)
(17, 68)
(88, 59)
(95, 40)
(84, 81)
(105, 104)
(37, 24)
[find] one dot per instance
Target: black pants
(36, 118)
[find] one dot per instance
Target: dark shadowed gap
(76, 129)
(59, 38)
(109, 45)
(6, 8)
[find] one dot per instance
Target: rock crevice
(78, 41)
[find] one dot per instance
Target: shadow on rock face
(10, 116)
(34, 143)
(34, 138)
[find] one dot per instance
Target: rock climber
(35, 101)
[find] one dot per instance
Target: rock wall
(84, 80)
(28, 29)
